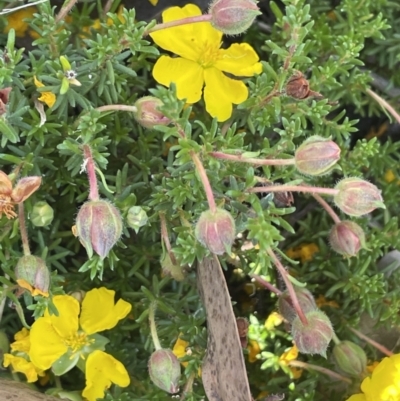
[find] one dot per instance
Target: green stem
(295, 188)
(308, 366)
(179, 22)
(153, 329)
(250, 160)
(22, 229)
(91, 172)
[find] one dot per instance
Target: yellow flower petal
(357, 397)
(46, 344)
(220, 92)
(23, 366)
(254, 350)
(38, 84)
(99, 311)
(186, 40)
(101, 371)
(16, 21)
(22, 341)
(34, 291)
(48, 98)
(187, 76)
(289, 355)
(153, 2)
(239, 59)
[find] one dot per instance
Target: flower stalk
(153, 328)
(91, 172)
(295, 188)
(327, 208)
(260, 162)
(23, 230)
(370, 341)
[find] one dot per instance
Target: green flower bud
(216, 231)
(315, 336)
(137, 217)
(148, 114)
(350, 358)
(42, 214)
(98, 226)
(357, 197)
(233, 17)
(347, 238)
(306, 301)
(165, 370)
(172, 269)
(316, 156)
(32, 274)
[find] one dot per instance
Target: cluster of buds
(165, 370)
(216, 231)
(233, 17)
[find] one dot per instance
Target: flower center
(209, 54)
(7, 207)
(77, 341)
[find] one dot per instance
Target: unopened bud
(347, 238)
(306, 302)
(216, 231)
(315, 336)
(148, 114)
(170, 268)
(316, 156)
(233, 17)
(165, 370)
(99, 227)
(79, 295)
(357, 197)
(137, 217)
(32, 274)
(350, 358)
(42, 214)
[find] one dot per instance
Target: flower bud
(216, 231)
(347, 238)
(357, 197)
(315, 336)
(32, 274)
(148, 115)
(98, 226)
(316, 156)
(285, 304)
(233, 17)
(173, 269)
(350, 358)
(42, 214)
(137, 217)
(165, 370)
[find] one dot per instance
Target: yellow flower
(101, 371)
(53, 336)
(179, 350)
(22, 341)
(48, 98)
(203, 62)
(274, 319)
(290, 355)
(304, 252)
(153, 2)
(383, 384)
(254, 350)
(322, 301)
(16, 21)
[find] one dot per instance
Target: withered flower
(298, 87)
(4, 94)
(10, 196)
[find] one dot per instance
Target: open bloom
(60, 341)
(384, 383)
(202, 62)
(47, 98)
(10, 196)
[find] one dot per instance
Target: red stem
(328, 208)
(91, 172)
(378, 346)
(266, 284)
(295, 188)
(260, 162)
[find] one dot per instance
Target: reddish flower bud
(350, 358)
(285, 304)
(98, 226)
(148, 114)
(357, 197)
(216, 231)
(32, 274)
(347, 238)
(233, 17)
(315, 336)
(165, 370)
(316, 156)
(42, 214)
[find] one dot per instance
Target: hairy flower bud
(233, 17)
(173, 269)
(285, 304)
(165, 370)
(42, 214)
(347, 238)
(315, 336)
(137, 217)
(357, 197)
(32, 274)
(148, 115)
(316, 156)
(98, 226)
(350, 358)
(216, 231)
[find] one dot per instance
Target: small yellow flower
(322, 301)
(179, 350)
(254, 350)
(290, 355)
(202, 62)
(304, 252)
(48, 98)
(153, 2)
(16, 21)
(22, 341)
(383, 384)
(274, 319)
